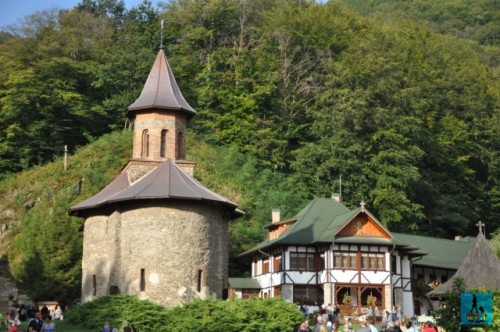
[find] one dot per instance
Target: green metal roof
(440, 253)
(314, 220)
(319, 222)
(240, 283)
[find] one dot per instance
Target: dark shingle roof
(166, 181)
(480, 269)
(161, 90)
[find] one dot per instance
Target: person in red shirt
(429, 327)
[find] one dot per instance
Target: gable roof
(161, 90)
(166, 181)
(323, 221)
(481, 268)
(319, 222)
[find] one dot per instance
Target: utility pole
(65, 158)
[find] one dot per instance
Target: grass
(62, 326)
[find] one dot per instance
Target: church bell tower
(159, 118)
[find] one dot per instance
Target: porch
(359, 299)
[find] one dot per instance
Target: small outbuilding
(243, 288)
(480, 269)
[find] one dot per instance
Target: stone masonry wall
(182, 246)
(99, 247)
(137, 169)
(155, 122)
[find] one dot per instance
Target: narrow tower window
(200, 275)
(163, 143)
(181, 153)
(145, 144)
(94, 285)
(143, 280)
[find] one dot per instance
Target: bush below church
(207, 315)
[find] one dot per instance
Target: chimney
(276, 216)
(458, 238)
(336, 197)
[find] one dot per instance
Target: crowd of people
(43, 320)
(38, 320)
(329, 320)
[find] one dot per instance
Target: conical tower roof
(481, 268)
(161, 90)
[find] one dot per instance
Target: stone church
(155, 232)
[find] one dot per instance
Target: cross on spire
(480, 224)
(362, 204)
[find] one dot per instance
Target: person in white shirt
(371, 324)
(409, 326)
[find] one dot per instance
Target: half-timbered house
(328, 253)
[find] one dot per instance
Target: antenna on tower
(161, 35)
(340, 187)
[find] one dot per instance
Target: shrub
(266, 315)
(143, 314)
(270, 315)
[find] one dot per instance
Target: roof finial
(161, 35)
(362, 204)
(480, 224)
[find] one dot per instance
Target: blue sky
(13, 10)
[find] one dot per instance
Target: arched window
(163, 143)
(145, 144)
(181, 152)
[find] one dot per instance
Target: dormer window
(145, 144)
(163, 143)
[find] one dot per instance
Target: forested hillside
(290, 96)
(477, 20)
(43, 243)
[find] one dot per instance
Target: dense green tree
(69, 75)
(464, 19)
(395, 110)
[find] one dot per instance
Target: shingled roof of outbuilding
(166, 181)
(161, 90)
(480, 269)
(245, 283)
